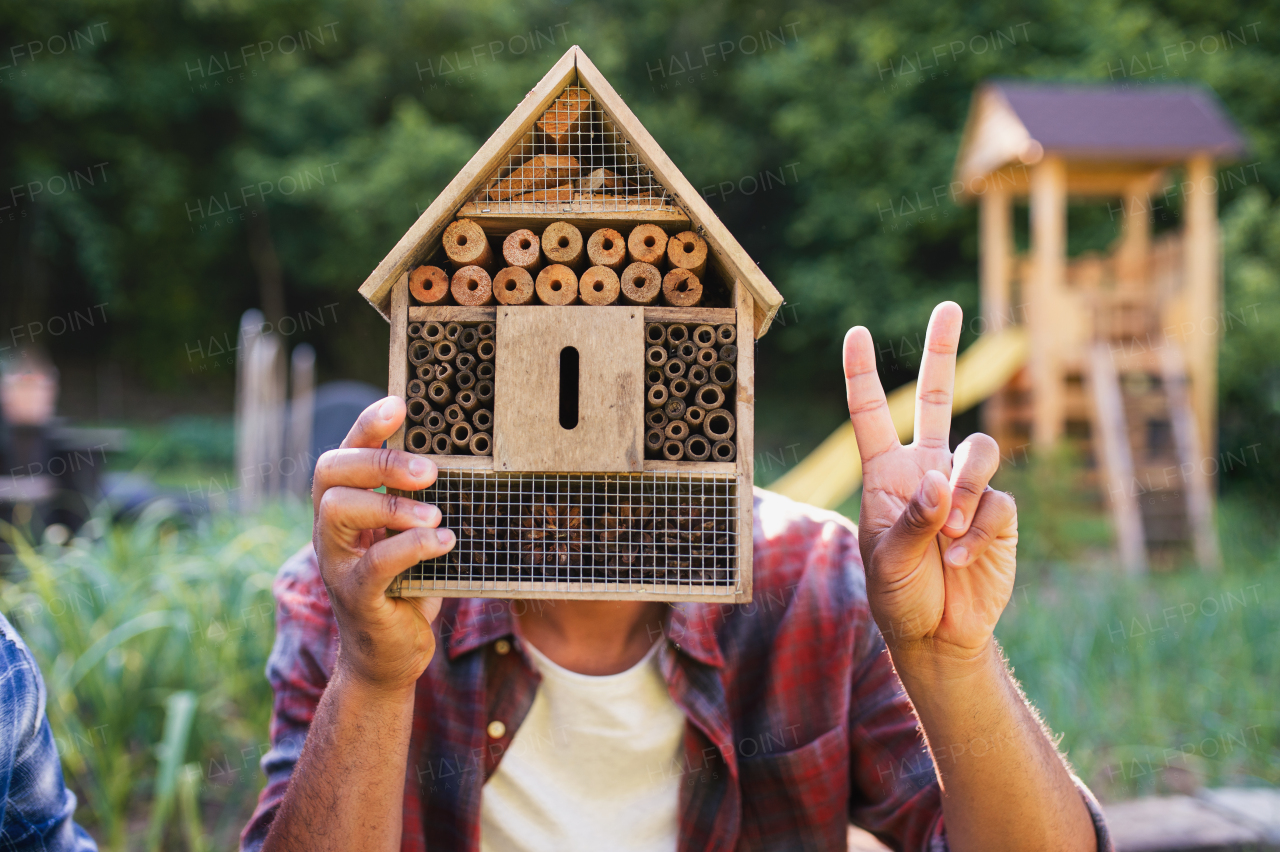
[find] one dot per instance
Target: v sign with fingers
(939, 549)
(937, 542)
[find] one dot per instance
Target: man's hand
(938, 544)
(385, 642)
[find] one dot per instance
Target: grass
(153, 637)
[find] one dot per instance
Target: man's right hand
(384, 642)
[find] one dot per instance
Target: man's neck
(594, 637)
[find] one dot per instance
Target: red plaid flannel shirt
(797, 723)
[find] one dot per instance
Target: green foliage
(153, 640)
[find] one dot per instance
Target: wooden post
(302, 370)
(1135, 243)
(1193, 465)
(1044, 295)
(1204, 300)
(1115, 459)
(994, 260)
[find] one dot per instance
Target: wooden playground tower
(1123, 345)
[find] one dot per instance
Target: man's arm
(347, 790)
(939, 548)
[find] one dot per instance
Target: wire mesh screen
(575, 159)
(667, 533)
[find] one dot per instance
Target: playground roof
(1013, 122)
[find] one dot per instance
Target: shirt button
(502, 646)
(496, 729)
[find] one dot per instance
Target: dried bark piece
(540, 172)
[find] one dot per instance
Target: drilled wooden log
(562, 243)
(466, 245)
(429, 285)
(688, 251)
(647, 244)
(471, 286)
(681, 289)
(557, 285)
(641, 284)
(607, 248)
(599, 285)
(539, 172)
(523, 249)
(513, 286)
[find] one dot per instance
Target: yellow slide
(833, 471)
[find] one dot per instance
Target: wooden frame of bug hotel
(573, 330)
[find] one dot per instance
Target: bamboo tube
(433, 332)
(694, 415)
(486, 349)
(427, 372)
(655, 334)
(707, 357)
(415, 329)
(718, 425)
(417, 440)
(674, 408)
(723, 451)
(677, 334)
(484, 371)
(654, 376)
(452, 331)
(676, 430)
(466, 380)
(673, 450)
(420, 352)
(607, 248)
(523, 250)
(417, 408)
(687, 250)
(417, 388)
(435, 422)
(429, 285)
(726, 334)
(562, 243)
(481, 444)
(487, 330)
(675, 368)
(446, 350)
(653, 440)
(444, 372)
(656, 396)
(484, 390)
(466, 245)
(680, 289)
(723, 374)
(655, 356)
(441, 444)
(686, 352)
(482, 419)
(655, 419)
(513, 286)
(704, 336)
(647, 244)
(679, 388)
(453, 415)
(461, 434)
(471, 286)
(557, 285)
(467, 401)
(465, 361)
(729, 352)
(641, 284)
(468, 340)
(599, 285)
(709, 397)
(697, 448)
(440, 394)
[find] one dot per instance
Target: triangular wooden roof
(680, 201)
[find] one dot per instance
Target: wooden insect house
(572, 329)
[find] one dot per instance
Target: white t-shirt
(591, 766)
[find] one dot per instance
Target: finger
(975, 462)
(868, 410)
(348, 511)
(366, 468)
(392, 556)
(997, 515)
(937, 376)
(905, 543)
(376, 424)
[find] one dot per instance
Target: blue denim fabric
(35, 806)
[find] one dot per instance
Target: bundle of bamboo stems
(450, 397)
(690, 379)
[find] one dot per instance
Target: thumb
(911, 535)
